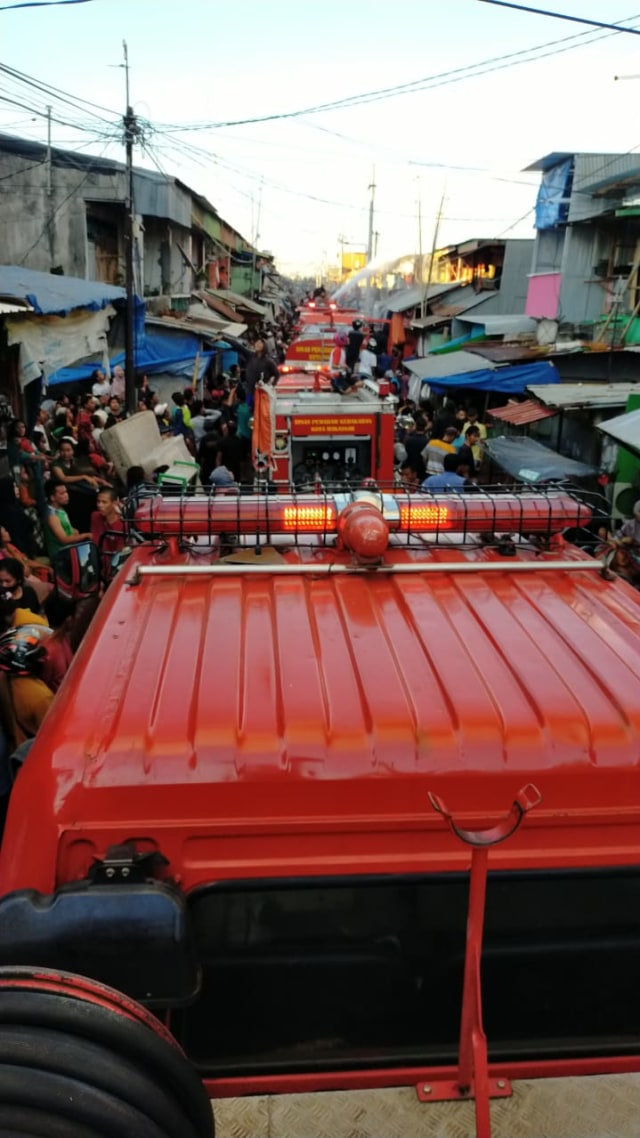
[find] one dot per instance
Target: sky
(298, 184)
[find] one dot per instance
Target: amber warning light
(424, 517)
(309, 519)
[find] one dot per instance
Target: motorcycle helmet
(372, 344)
(340, 340)
(22, 650)
(356, 325)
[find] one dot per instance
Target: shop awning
(625, 429)
(529, 461)
(52, 295)
(519, 414)
(509, 380)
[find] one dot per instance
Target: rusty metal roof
(504, 353)
(520, 414)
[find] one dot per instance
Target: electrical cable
(41, 4)
(561, 16)
(439, 79)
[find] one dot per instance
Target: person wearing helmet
(24, 697)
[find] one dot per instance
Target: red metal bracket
(473, 1080)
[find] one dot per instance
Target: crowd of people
(439, 449)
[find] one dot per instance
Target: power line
(440, 79)
(41, 4)
(51, 92)
(562, 16)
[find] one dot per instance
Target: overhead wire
(440, 79)
(559, 16)
(40, 4)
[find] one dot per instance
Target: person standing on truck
(59, 531)
(260, 369)
(356, 337)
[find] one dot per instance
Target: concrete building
(63, 211)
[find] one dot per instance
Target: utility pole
(434, 247)
(50, 211)
(420, 261)
(372, 187)
(255, 243)
(130, 134)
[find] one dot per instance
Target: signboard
(330, 426)
(312, 351)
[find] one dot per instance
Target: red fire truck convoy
(313, 340)
(300, 731)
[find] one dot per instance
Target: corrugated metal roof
(548, 161)
(521, 413)
(12, 309)
(453, 363)
(460, 301)
(595, 171)
(213, 301)
(504, 353)
(369, 681)
(239, 301)
(502, 325)
(411, 297)
(624, 429)
(565, 395)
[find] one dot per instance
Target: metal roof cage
(496, 515)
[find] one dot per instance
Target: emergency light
(475, 513)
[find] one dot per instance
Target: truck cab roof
(294, 687)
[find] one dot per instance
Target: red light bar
(511, 513)
(418, 513)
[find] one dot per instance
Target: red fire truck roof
(457, 678)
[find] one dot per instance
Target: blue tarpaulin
(157, 352)
(552, 206)
(52, 295)
(511, 380)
